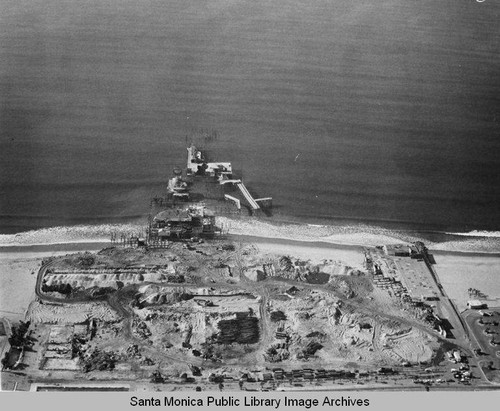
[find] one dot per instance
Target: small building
(398, 250)
(178, 188)
(476, 304)
(197, 164)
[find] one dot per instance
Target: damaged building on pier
(176, 223)
(194, 197)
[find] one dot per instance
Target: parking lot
(485, 330)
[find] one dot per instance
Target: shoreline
(457, 270)
(343, 236)
(55, 247)
(99, 243)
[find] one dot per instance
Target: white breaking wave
(361, 235)
(69, 235)
(348, 235)
(478, 233)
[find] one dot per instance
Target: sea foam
(362, 235)
(69, 234)
(478, 233)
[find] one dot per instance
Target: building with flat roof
(197, 164)
(476, 304)
(417, 279)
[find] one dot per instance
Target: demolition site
(186, 306)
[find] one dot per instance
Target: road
(116, 301)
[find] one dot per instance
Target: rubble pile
(242, 330)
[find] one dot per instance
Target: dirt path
(376, 338)
(261, 289)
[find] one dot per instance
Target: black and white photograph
(250, 203)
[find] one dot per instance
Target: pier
(231, 187)
(248, 196)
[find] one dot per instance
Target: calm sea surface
(344, 110)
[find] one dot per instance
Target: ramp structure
(231, 187)
(233, 199)
(248, 196)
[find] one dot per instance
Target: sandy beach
(408, 338)
(19, 264)
(457, 271)
(18, 272)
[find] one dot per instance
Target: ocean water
(383, 113)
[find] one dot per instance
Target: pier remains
(196, 196)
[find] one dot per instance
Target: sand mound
(255, 275)
(70, 314)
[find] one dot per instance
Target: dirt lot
(202, 310)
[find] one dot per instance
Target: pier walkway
(248, 196)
